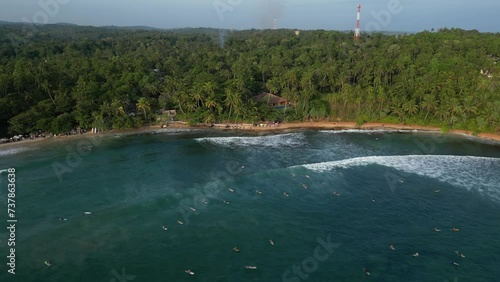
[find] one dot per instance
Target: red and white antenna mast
(357, 31)
(275, 24)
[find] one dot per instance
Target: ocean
(298, 205)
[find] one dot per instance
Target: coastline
(325, 125)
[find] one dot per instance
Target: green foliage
(319, 109)
(112, 78)
(62, 123)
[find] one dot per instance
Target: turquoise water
(391, 188)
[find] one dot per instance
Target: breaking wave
(13, 151)
(479, 173)
(289, 140)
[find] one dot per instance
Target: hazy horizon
(376, 15)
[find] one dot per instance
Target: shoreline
(325, 125)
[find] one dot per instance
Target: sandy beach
(263, 127)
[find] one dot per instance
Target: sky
(376, 15)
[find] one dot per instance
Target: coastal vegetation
(60, 77)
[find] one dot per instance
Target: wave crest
(290, 140)
(471, 172)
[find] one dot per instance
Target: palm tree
(117, 106)
(454, 108)
(410, 107)
(233, 100)
(144, 105)
(429, 103)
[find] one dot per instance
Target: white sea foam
(479, 173)
(13, 151)
(291, 140)
(172, 130)
(367, 131)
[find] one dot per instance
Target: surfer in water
(455, 229)
(258, 192)
(251, 267)
(164, 228)
(180, 222)
(271, 242)
(231, 190)
(455, 264)
(62, 219)
(460, 254)
(305, 186)
(188, 271)
(392, 247)
(336, 194)
(226, 202)
(366, 271)
(236, 249)
(47, 263)
(286, 194)
(372, 199)
(193, 209)
(436, 229)
(416, 254)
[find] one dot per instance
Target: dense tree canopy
(60, 77)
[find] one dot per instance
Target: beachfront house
(272, 100)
